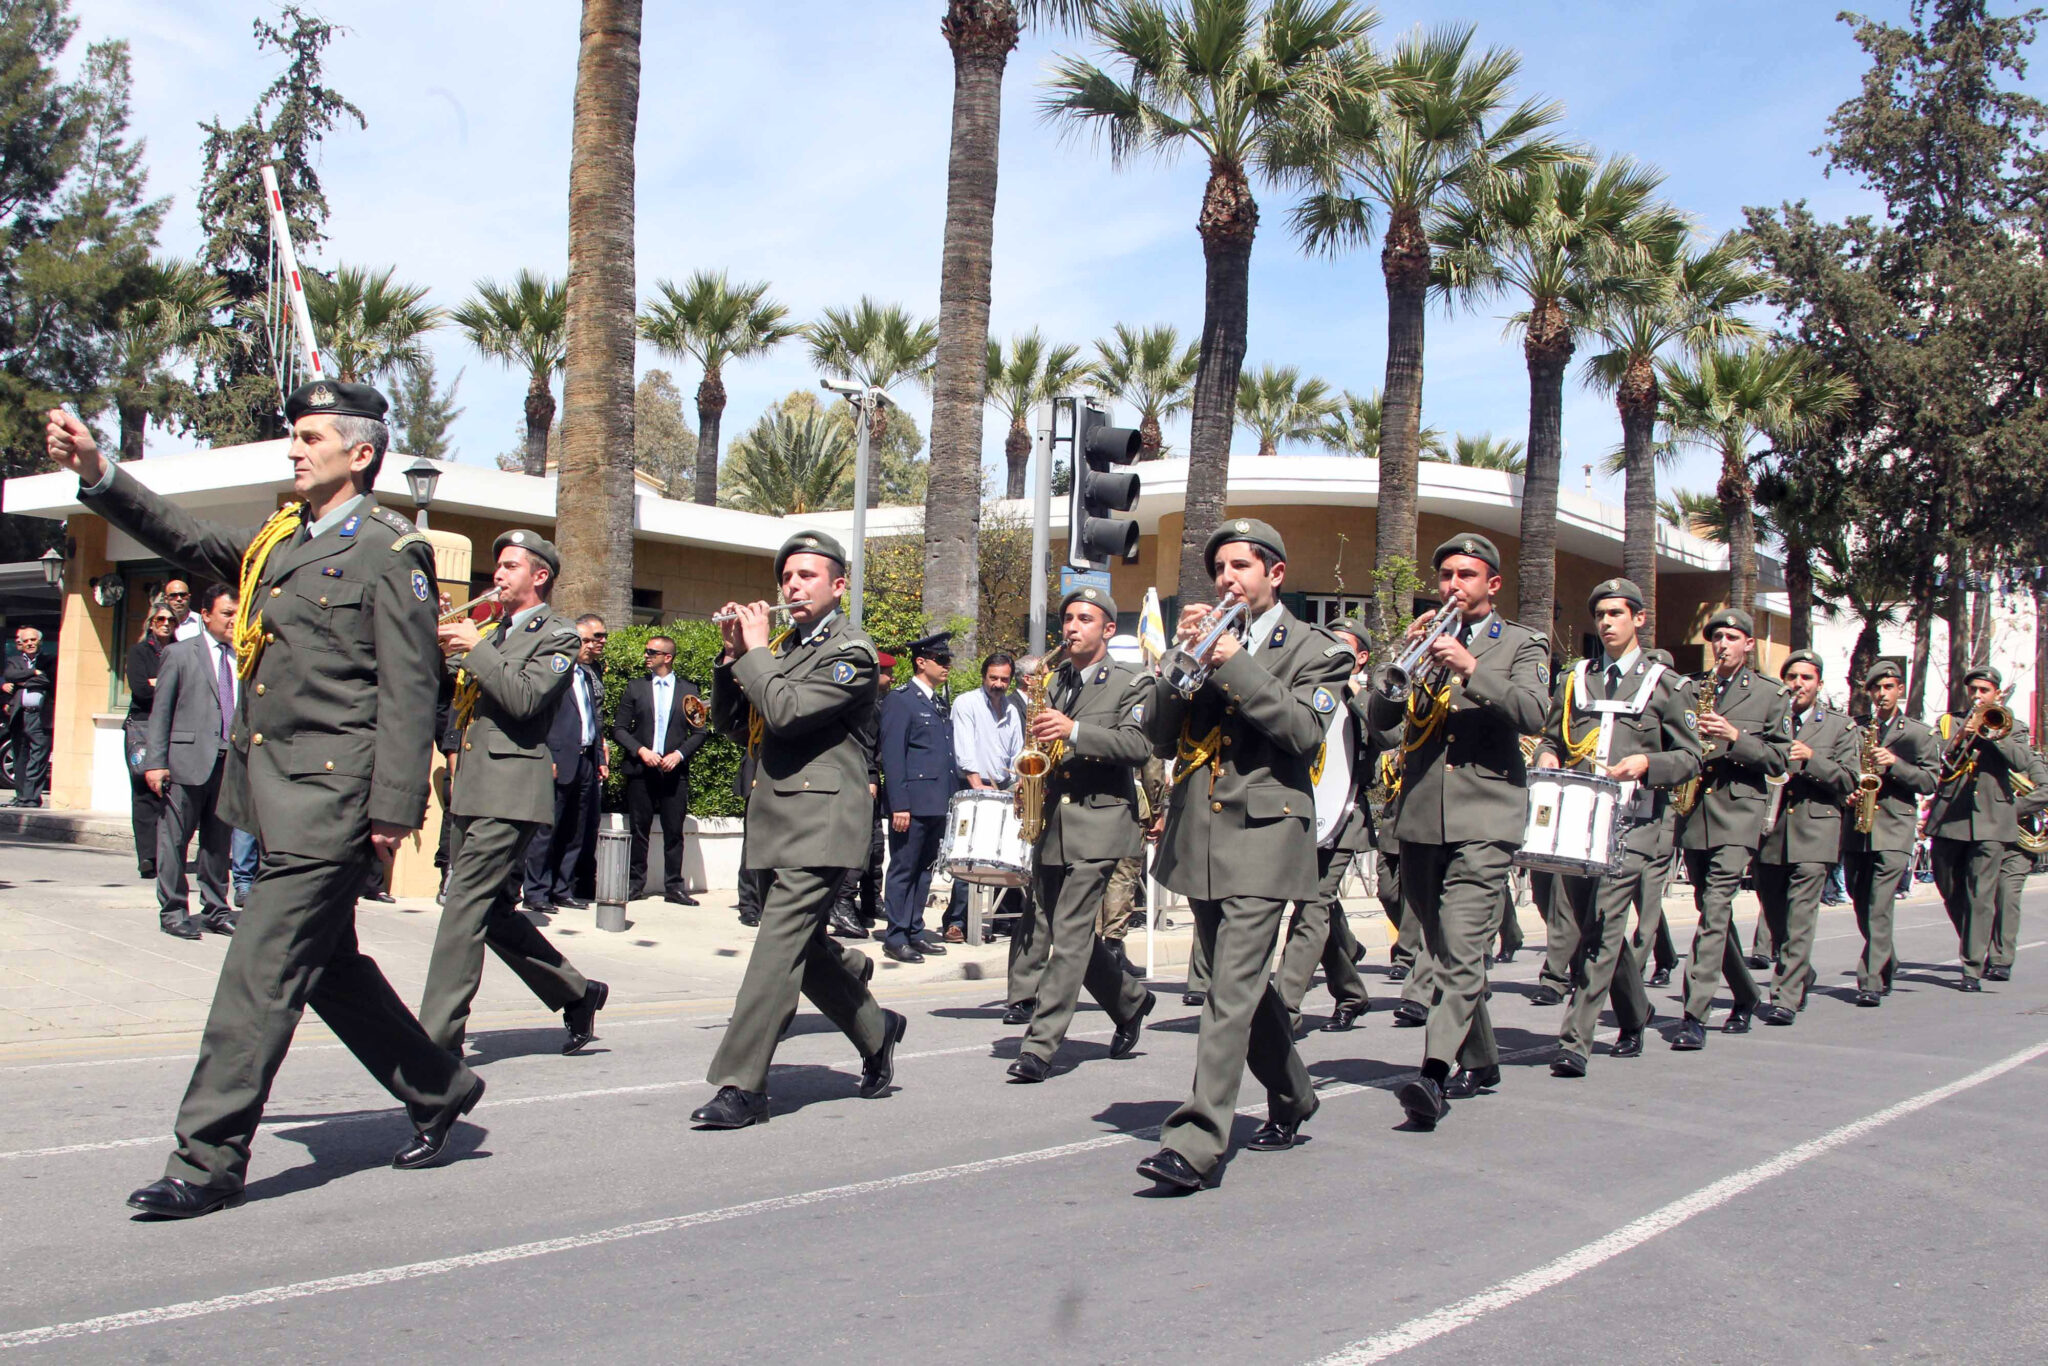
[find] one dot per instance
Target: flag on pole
(1152, 627)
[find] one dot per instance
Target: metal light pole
(1041, 534)
(865, 402)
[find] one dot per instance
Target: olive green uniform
(1874, 862)
(2018, 865)
(1974, 822)
(333, 730)
(1792, 864)
(1240, 844)
(807, 822)
(1318, 932)
(504, 793)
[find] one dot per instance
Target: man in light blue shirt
(988, 735)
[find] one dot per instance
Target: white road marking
(1452, 1317)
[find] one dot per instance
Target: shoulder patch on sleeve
(559, 663)
(860, 645)
(420, 587)
(1692, 719)
(412, 538)
(1323, 700)
(1138, 713)
(1543, 674)
(1331, 651)
(842, 673)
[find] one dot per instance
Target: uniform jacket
(504, 769)
(1665, 731)
(916, 753)
(565, 732)
(1897, 824)
(1983, 808)
(335, 727)
(1246, 826)
(633, 727)
(1732, 793)
(1091, 801)
(806, 802)
(1468, 781)
(2034, 802)
(1810, 819)
(184, 721)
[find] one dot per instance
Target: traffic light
(1094, 536)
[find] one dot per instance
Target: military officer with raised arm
(1464, 801)
(1240, 838)
(1631, 719)
(1093, 722)
(1744, 733)
(1974, 821)
(1906, 756)
(327, 763)
(512, 679)
(803, 705)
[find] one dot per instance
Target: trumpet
(455, 614)
(1181, 668)
(1397, 680)
(720, 618)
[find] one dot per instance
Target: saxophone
(1868, 781)
(1035, 764)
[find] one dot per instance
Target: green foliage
(716, 764)
(1275, 404)
(422, 411)
(1395, 581)
(367, 325)
(664, 444)
(1150, 370)
(789, 463)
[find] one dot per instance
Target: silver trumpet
(1182, 667)
(455, 614)
(774, 608)
(1397, 679)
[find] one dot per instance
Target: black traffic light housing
(1094, 536)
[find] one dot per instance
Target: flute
(719, 618)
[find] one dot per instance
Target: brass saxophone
(1035, 764)
(1868, 781)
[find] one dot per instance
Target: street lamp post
(865, 401)
(52, 561)
(422, 476)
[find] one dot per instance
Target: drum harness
(1596, 746)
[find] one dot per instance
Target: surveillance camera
(841, 387)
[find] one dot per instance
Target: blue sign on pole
(1072, 578)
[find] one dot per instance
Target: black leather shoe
(1998, 974)
(1775, 1014)
(732, 1108)
(1398, 973)
(683, 900)
(425, 1148)
(1410, 1015)
(1424, 1101)
(381, 898)
(1629, 1045)
(581, 1018)
(1343, 1017)
(1276, 1135)
(1737, 1021)
(751, 919)
(1691, 1036)
(1029, 1068)
(1546, 995)
(1019, 1012)
(572, 903)
(1567, 1065)
(902, 953)
(1869, 999)
(1969, 984)
(1504, 957)
(1466, 1083)
(1757, 962)
(929, 947)
(1126, 1037)
(1661, 977)
(537, 907)
(171, 1198)
(839, 927)
(221, 923)
(878, 1069)
(1170, 1169)
(1192, 998)
(148, 874)
(187, 928)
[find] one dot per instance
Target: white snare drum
(984, 843)
(1576, 823)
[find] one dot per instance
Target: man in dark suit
(576, 746)
(31, 712)
(918, 781)
(183, 760)
(656, 737)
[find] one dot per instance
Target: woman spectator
(145, 658)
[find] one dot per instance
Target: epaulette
(412, 538)
(563, 628)
(395, 522)
(860, 645)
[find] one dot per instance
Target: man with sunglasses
(656, 738)
(185, 622)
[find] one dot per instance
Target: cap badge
(322, 397)
(1243, 526)
(517, 538)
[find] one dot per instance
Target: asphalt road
(1863, 1186)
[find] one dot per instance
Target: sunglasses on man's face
(597, 635)
(177, 595)
(660, 654)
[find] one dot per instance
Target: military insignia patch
(842, 672)
(1279, 636)
(330, 571)
(536, 623)
(1332, 651)
(1493, 632)
(420, 587)
(1138, 713)
(1692, 720)
(348, 528)
(1543, 674)
(559, 663)
(1324, 701)
(322, 397)
(517, 538)
(1243, 526)
(1102, 674)
(1088, 594)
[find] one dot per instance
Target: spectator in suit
(188, 740)
(851, 918)
(31, 715)
(576, 743)
(185, 622)
(916, 751)
(656, 738)
(145, 662)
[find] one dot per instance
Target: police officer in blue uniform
(915, 750)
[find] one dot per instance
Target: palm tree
(1353, 428)
(1237, 84)
(712, 321)
(1030, 374)
(1570, 240)
(981, 35)
(523, 326)
(1693, 308)
(1150, 371)
(369, 325)
(1695, 513)
(792, 463)
(1438, 137)
(878, 346)
(1728, 399)
(1488, 452)
(169, 318)
(1866, 578)
(1276, 404)
(594, 495)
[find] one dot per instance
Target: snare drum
(984, 843)
(1576, 823)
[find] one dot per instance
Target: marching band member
(803, 704)
(1806, 838)
(1653, 930)
(1240, 840)
(1094, 712)
(2031, 798)
(1631, 719)
(1744, 733)
(1463, 803)
(1907, 756)
(1974, 821)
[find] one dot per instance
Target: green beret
(1353, 627)
(1731, 616)
(1803, 657)
(1987, 673)
(1094, 597)
(1624, 589)
(533, 543)
(335, 398)
(1468, 543)
(1884, 668)
(809, 543)
(1250, 530)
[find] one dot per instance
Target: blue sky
(805, 143)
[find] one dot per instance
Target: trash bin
(613, 846)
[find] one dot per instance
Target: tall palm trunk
(1404, 262)
(540, 420)
(1738, 509)
(134, 430)
(1016, 454)
(1229, 221)
(1799, 591)
(1955, 610)
(1547, 348)
(594, 497)
(1150, 440)
(981, 34)
(1637, 401)
(878, 432)
(710, 412)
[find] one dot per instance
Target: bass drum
(1334, 793)
(984, 842)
